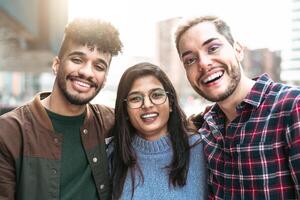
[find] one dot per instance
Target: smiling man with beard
(252, 134)
(53, 147)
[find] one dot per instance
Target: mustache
(83, 79)
(211, 68)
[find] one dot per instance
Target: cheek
(166, 116)
(165, 112)
(101, 78)
(192, 71)
(191, 76)
(133, 116)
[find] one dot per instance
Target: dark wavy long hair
(124, 159)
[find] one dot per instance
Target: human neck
(160, 145)
(229, 105)
(58, 104)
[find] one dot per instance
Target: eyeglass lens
(157, 97)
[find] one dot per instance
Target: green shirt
(76, 181)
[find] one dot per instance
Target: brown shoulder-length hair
(124, 158)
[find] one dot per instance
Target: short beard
(74, 99)
(235, 77)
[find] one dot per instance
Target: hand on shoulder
(195, 121)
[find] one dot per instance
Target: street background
(31, 32)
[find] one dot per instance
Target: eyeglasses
(137, 100)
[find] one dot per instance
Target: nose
(86, 70)
(205, 63)
(147, 102)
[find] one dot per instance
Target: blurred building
(30, 34)
(167, 57)
(291, 55)
(260, 61)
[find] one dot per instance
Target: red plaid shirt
(258, 155)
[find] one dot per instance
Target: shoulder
(196, 148)
(12, 126)
(195, 139)
(104, 113)
(102, 109)
(11, 118)
(283, 90)
(284, 95)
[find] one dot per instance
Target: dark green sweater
(76, 181)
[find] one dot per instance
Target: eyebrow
(203, 44)
(209, 41)
(137, 92)
(79, 53)
(76, 53)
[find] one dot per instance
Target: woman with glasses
(155, 156)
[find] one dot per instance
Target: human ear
(239, 50)
(55, 65)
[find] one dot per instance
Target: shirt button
(95, 159)
(101, 186)
(56, 140)
(54, 171)
(85, 131)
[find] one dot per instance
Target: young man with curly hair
(54, 146)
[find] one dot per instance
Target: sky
(255, 23)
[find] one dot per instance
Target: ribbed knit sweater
(153, 157)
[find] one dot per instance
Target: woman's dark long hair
(124, 159)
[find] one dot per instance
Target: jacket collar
(41, 116)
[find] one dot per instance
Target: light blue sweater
(153, 157)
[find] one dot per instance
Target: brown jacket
(30, 151)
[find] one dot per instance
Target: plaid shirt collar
(215, 118)
(254, 98)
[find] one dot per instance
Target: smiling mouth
(213, 77)
(82, 82)
(149, 115)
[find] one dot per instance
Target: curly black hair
(92, 32)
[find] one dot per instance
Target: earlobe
(55, 65)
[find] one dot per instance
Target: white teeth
(82, 84)
(212, 77)
(145, 116)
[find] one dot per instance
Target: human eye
(189, 60)
(135, 98)
(76, 60)
(214, 48)
(158, 94)
(100, 67)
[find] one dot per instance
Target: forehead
(199, 33)
(87, 50)
(146, 83)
